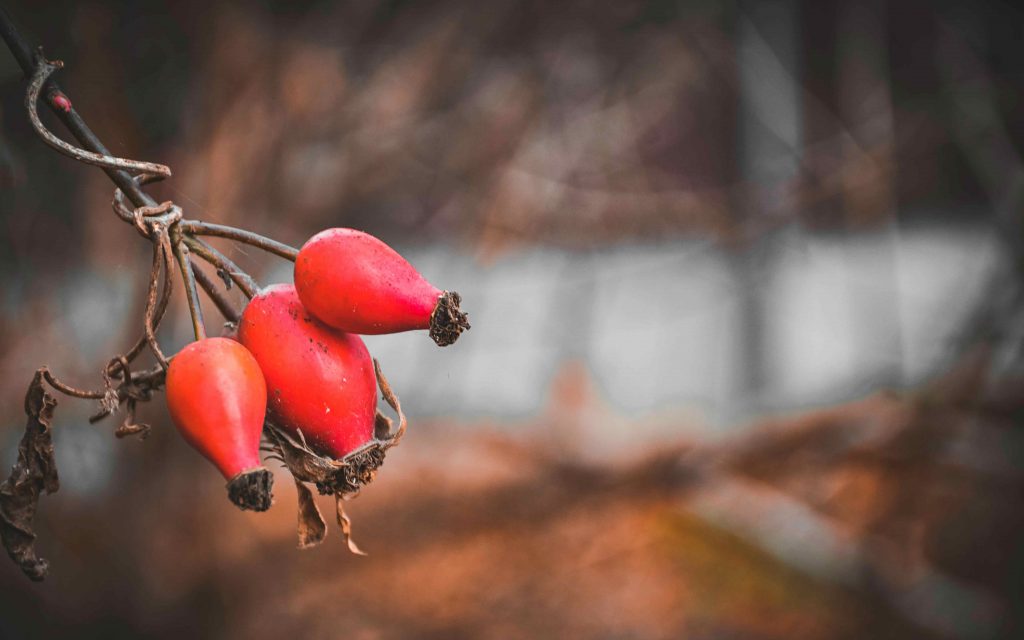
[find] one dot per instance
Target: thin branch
(192, 294)
(158, 311)
(199, 228)
(69, 390)
(63, 108)
(222, 263)
(139, 214)
(161, 256)
(219, 299)
(152, 377)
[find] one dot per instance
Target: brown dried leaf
(129, 428)
(381, 426)
(312, 527)
(346, 526)
(304, 463)
(110, 402)
(392, 400)
(33, 473)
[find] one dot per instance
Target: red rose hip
(354, 282)
(320, 381)
(217, 398)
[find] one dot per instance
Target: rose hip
(320, 381)
(354, 282)
(217, 398)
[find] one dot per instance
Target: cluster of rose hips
(292, 373)
(296, 362)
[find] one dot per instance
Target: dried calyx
(251, 490)
(342, 478)
(447, 322)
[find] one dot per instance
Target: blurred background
(744, 280)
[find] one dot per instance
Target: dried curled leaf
(312, 527)
(346, 526)
(33, 473)
(111, 400)
(129, 427)
(343, 477)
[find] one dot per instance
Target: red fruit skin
(354, 282)
(218, 400)
(319, 379)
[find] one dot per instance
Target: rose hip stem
(222, 303)
(224, 265)
(198, 228)
(189, 277)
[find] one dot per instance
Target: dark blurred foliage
(494, 129)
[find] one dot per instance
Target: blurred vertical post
(572, 323)
(867, 184)
(769, 143)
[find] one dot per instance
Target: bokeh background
(744, 279)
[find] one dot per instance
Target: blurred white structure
(661, 326)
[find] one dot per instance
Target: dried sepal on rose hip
(343, 477)
(217, 399)
(354, 282)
